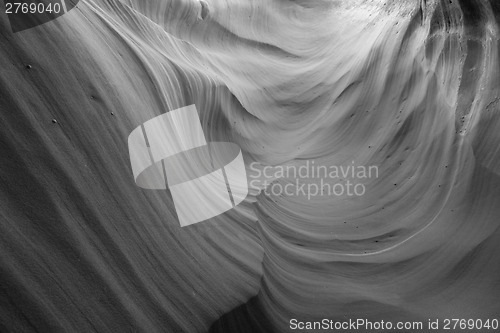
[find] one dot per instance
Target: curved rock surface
(412, 88)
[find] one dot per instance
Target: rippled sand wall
(411, 87)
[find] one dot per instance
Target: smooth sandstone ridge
(412, 87)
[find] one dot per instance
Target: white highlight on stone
(63, 3)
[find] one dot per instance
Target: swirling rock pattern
(412, 87)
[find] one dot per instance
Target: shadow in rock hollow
(247, 318)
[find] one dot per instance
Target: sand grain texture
(413, 90)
